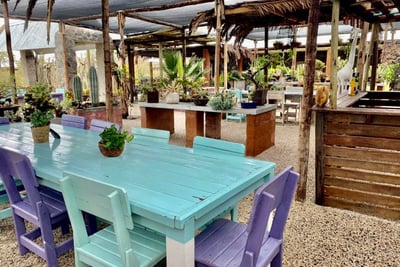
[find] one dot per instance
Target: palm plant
(188, 76)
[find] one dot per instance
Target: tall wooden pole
(122, 54)
(334, 46)
(131, 63)
(374, 37)
(9, 51)
(107, 58)
(307, 99)
(217, 58)
(226, 63)
(266, 37)
(363, 54)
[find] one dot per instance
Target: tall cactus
(77, 88)
(94, 86)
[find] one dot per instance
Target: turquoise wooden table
(171, 189)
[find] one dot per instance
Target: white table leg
(180, 255)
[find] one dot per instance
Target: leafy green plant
(185, 77)
(41, 118)
(39, 107)
(114, 139)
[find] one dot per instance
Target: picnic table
(171, 189)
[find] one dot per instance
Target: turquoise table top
(170, 188)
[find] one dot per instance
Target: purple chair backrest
(276, 194)
(73, 121)
(99, 125)
(16, 165)
(4, 120)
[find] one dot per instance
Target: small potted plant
(39, 111)
(200, 98)
(152, 94)
(222, 101)
(112, 141)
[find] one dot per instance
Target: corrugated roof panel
(35, 36)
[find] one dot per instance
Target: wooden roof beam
(155, 21)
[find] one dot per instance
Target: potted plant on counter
(39, 110)
(222, 101)
(112, 141)
(200, 97)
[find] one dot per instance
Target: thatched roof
(239, 20)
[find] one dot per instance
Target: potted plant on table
(39, 110)
(222, 101)
(200, 97)
(113, 141)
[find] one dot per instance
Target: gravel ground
(314, 235)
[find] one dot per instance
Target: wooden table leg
(260, 133)
(194, 125)
(213, 125)
(157, 118)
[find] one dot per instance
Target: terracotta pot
(115, 152)
(40, 134)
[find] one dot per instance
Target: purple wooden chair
(4, 120)
(73, 121)
(42, 207)
(99, 125)
(228, 243)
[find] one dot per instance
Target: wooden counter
(204, 121)
(357, 154)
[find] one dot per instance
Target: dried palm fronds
(241, 19)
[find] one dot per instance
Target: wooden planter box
(358, 155)
(98, 113)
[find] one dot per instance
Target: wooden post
(218, 7)
(122, 50)
(334, 45)
(328, 61)
(375, 30)
(266, 37)
(363, 54)
(131, 63)
(107, 57)
(207, 65)
(151, 72)
(307, 99)
(10, 52)
(374, 59)
(161, 60)
(226, 63)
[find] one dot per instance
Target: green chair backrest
(102, 200)
(216, 146)
(149, 136)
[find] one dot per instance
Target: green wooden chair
(206, 145)
(120, 243)
(149, 136)
(219, 148)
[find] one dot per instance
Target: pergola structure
(229, 18)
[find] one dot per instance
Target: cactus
(77, 88)
(94, 86)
